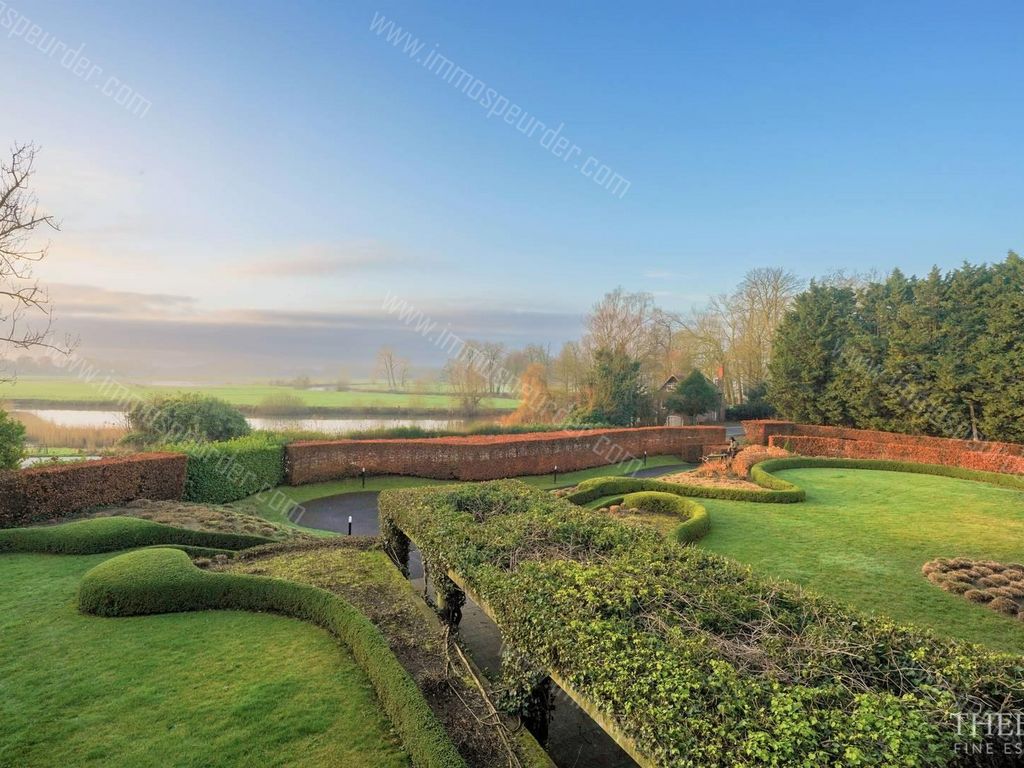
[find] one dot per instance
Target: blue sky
(294, 161)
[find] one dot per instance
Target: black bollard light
(554, 475)
(645, 458)
(350, 525)
(362, 476)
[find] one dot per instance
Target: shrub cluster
(695, 520)
(1000, 586)
(165, 581)
(12, 441)
(44, 493)
(184, 417)
(232, 469)
(697, 660)
(110, 534)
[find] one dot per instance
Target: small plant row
(999, 586)
(164, 580)
(699, 661)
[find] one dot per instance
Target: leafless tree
(387, 366)
(26, 319)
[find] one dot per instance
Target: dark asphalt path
(331, 513)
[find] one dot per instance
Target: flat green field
(217, 688)
(73, 391)
(863, 535)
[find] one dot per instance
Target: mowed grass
(79, 392)
(863, 535)
(217, 688)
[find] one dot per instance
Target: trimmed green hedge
(697, 659)
(110, 534)
(165, 581)
(233, 469)
(779, 491)
(761, 473)
(696, 521)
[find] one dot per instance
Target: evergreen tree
(693, 396)
(808, 349)
(617, 394)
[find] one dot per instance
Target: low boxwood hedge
(694, 657)
(165, 581)
(765, 468)
(110, 534)
(695, 520)
(226, 471)
(777, 491)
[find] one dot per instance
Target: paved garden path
(331, 513)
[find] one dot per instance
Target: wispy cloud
(327, 259)
(77, 301)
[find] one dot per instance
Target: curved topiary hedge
(109, 534)
(778, 491)
(761, 473)
(165, 581)
(696, 521)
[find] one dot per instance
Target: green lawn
(219, 688)
(863, 535)
(73, 391)
(303, 493)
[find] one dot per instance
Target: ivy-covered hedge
(695, 520)
(110, 534)
(765, 468)
(165, 581)
(699, 661)
(775, 490)
(233, 469)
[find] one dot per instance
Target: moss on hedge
(109, 534)
(163, 580)
(695, 519)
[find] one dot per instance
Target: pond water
(334, 426)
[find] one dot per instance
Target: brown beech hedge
(44, 493)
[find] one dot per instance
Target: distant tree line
(939, 355)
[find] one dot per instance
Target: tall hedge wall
(232, 469)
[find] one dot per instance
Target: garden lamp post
(350, 525)
(554, 475)
(362, 476)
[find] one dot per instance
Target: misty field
(72, 392)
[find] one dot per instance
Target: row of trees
(615, 373)
(940, 355)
